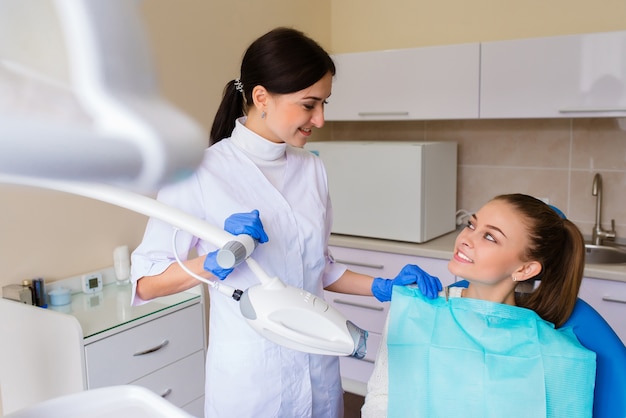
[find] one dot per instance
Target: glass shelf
(102, 311)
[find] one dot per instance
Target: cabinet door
(366, 311)
(136, 352)
(609, 299)
(406, 84)
(562, 76)
(388, 265)
(181, 382)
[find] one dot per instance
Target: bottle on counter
(39, 292)
(26, 293)
(121, 263)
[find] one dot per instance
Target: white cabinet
(609, 299)
(562, 76)
(366, 311)
(406, 84)
(552, 77)
(100, 340)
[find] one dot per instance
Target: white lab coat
(246, 374)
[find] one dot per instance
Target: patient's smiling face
(490, 249)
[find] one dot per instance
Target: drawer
(180, 382)
(388, 265)
(195, 407)
(131, 354)
(365, 311)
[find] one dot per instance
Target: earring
(263, 114)
(514, 278)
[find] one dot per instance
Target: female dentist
(256, 169)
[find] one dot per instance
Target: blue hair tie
(558, 211)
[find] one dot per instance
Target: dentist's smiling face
(290, 118)
(492, 245)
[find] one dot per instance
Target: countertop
(442, 247)
(98, 313)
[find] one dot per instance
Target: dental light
(283, 314)
(125, 134)
(134, 142)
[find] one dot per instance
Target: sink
(600, 254)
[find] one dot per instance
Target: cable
(220, 287)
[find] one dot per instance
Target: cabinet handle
(369, 114)
(359, 264)
(153, 349)
(612, 299)
(358, 305)
(593, 110)
(166, 393)
(367, 360)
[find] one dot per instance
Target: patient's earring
(514, 278)
(263, 114)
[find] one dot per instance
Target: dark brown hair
(559, 246)
(283, 61)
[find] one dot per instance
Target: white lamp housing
(135, 138)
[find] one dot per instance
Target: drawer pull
(611, 299)
(367, 360)
(593, 110)
(357, 263)
(372, 114)
(166, 393)
(153, 349)
(359, 305)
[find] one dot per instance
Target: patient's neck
(498, 293)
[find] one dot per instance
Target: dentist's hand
(210, 265)
(246, 223)
(430, 286)
(236, 224)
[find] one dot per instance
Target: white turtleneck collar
(268, 156)
(255, 145)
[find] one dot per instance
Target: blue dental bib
(471, 358)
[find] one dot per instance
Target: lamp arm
(130, 200)
(284, 314)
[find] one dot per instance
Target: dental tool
(122, 136)
(284, 314)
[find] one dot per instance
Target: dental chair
(595, 334)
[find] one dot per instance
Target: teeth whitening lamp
(136, 143)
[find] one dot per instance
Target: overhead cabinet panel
(406, 84)
(563, 76)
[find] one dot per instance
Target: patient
(489, 349)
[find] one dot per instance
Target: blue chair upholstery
(594, 333)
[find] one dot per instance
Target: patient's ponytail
(559, 246)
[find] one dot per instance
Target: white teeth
(464, 257)
(306, 130)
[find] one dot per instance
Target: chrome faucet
(599, 235)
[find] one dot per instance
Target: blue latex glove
(210, 264)
(237, 223)
(430, 286)
(246, 223)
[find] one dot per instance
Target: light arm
(152, 208)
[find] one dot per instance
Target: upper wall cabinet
(562, 76)
(406, 84)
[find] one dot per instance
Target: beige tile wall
(547, 158)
